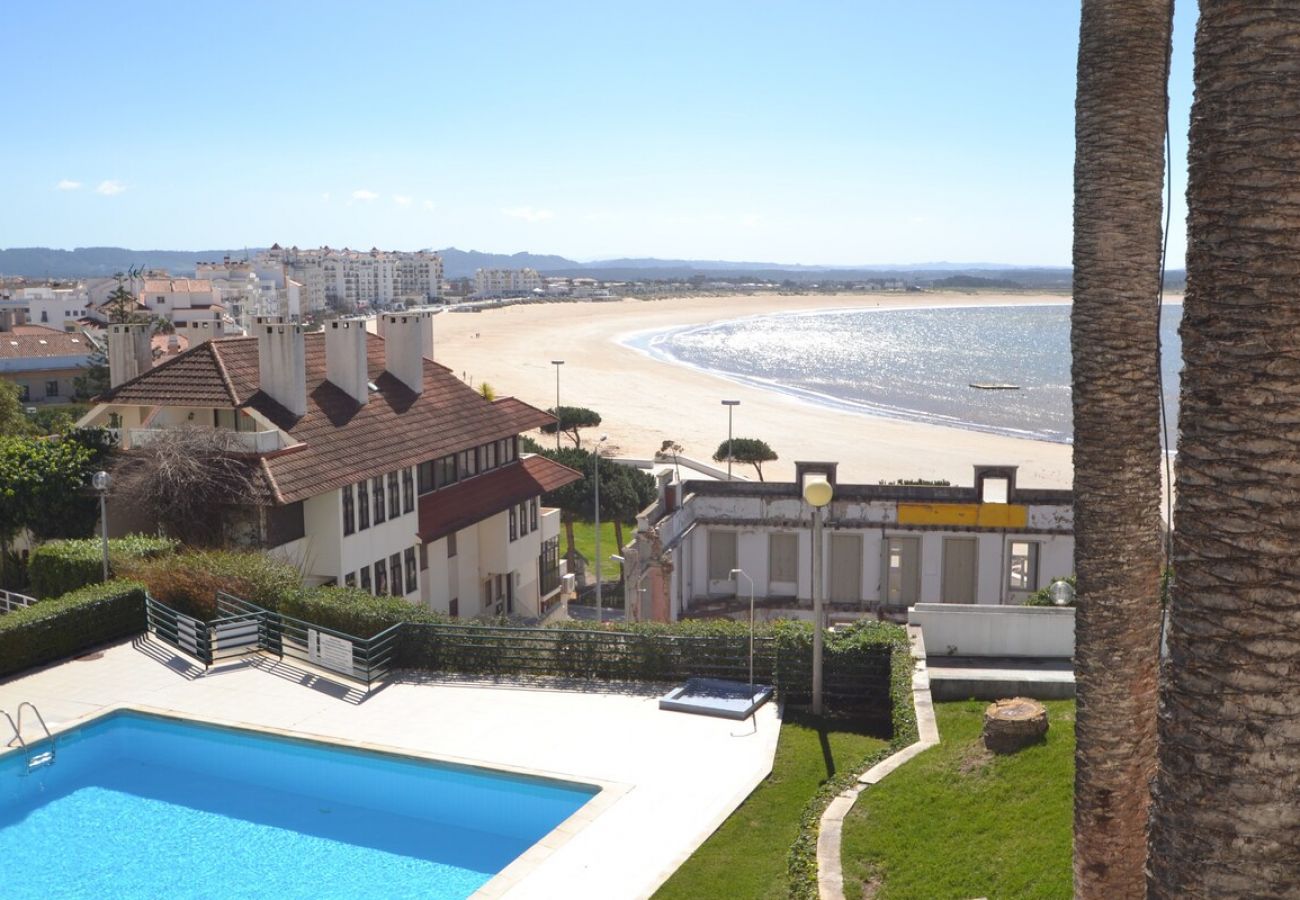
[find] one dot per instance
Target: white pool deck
(668, 779)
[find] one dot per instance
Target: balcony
(252, 442)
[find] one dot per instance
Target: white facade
(351, 280)
(506, 282)
(58, 308)
(884, 547)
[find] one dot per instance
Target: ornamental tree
(746, 450)
(572, 420)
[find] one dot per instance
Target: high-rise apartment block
(352, 280)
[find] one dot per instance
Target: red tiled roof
(343, 442)
(33, 329)
(451, 509)
(34, 346)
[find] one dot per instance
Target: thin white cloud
(68, 184)
(325, 196)
(110, 188)
(364, 195)
(528, 213)
(401, 200)
(428, 204)
(751, 221)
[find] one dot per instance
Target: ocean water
(137, 806)
(911, 364)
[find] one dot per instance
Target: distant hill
(94, 262)
(462, 263)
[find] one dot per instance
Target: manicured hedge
(55, 629)
(58, 567)
(189, 581)
(352, 610)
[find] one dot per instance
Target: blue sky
(811, 132)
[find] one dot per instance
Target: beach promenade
(646, 401)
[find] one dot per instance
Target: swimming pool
(138, 805)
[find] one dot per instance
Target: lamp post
(101, 482)
(637, 587)
(557, 363)
(734, 573)
(818, 492)
(730, 405)
(595, 466)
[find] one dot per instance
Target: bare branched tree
(191, 481)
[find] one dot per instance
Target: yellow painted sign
(964, 515)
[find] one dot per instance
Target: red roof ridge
(225, 376)
(270, 479)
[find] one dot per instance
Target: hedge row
(57, 567)
(55, 629)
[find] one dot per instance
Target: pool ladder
(34, 759)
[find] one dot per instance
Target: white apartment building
(886, 547)
(352, 280)
(376, 466)
(60, 308)
(507, 282)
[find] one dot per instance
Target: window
(454, 609)
(523, 518)
(1023, 571)
(425, 477)
(365, 578)
(350, 579)
(533, 512)
(468, 463)
(408, 491)
(381, 578)
(783, 558)
(451, 545)
(363, 506)
(424, 557)
(995, 490)
(394, 497)
(377, 485)
(395, 566)
(444, 471)
(722, 555)
(514, 523)
(51, 389)
(490, 456)
(412, 580)
(349, 511)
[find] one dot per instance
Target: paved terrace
(669, 778)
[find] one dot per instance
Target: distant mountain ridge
(90, 262)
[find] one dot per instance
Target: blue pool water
(143, 806)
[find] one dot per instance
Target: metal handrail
(18, 735)
(32, 760)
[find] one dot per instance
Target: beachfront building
(351, 280)
(43, 362)
(507, 282)
(886, 547)
(371, 465)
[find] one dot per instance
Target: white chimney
(408, 342)
(345, 357)
(282, 362)
(129, 352)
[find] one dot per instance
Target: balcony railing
(242, 441)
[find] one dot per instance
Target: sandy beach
(644, 401)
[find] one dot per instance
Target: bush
(58, 628)
(57, 567)
(189, 581)
(352, 610)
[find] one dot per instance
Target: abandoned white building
(375, 466)
(886, 547)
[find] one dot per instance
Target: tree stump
(1012, 724)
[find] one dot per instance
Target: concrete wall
(952, 629)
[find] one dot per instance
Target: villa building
(886, 547)
(43, 362)
(373, 466)
(506, 282)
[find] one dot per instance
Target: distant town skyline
(823, 134)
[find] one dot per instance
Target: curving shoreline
(645, 400)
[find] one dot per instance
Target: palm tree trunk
(1225, 818)
(1118, 179)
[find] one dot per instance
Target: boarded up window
(722, 555)
(783, 557)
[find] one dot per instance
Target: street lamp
(734, 573)
(636, 587)
(557, 363)
(595, 466)
(729, 404)
(101, 482)
(818, 492)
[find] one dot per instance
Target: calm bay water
(913, 364)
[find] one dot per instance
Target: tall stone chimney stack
(408, 342)
(346, 365)
(129, 352)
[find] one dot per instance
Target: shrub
(57, 567)
(189, 581)
(352, 610)
(58, 628)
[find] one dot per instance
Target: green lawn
(746, 857)
(584, 535)
(958, 822)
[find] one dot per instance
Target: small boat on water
(987, 386)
